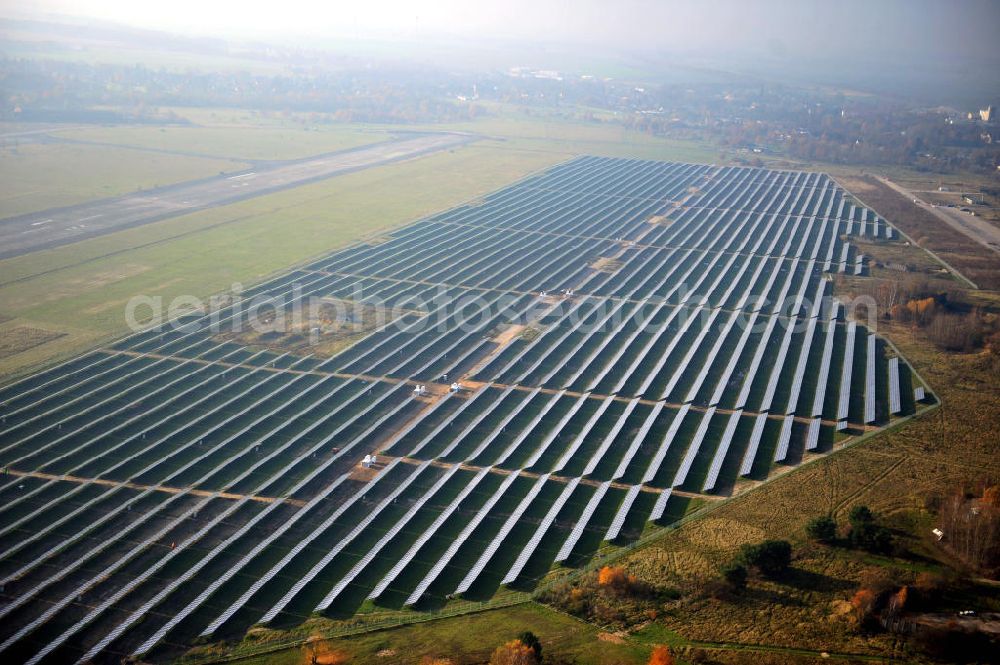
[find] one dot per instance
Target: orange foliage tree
(611, 576)
(661, 656)
(863, 603)
(991, 496)
(897, 603)
(615, 577)
(514, 652)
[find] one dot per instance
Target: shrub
(735, 575)
(860, 515)
(865, 533)
(529, 639)
(771, 557)
(822, 529)
(871, 537)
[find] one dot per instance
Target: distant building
(986, 114)
(550, 74)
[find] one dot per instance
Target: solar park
(567, 356)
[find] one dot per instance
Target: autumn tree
(921, 310)
(863, 604)
(661, 656)
(897, 602)
(514, 652)
(611, 576)
(615, 579)
(991, 496)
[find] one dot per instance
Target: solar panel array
(681, 336)
(582, 522)
(870, 363)
(895, 403)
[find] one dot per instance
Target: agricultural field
(566, 365)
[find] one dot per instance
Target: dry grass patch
(21, 338)
(606, 264)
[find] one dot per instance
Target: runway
(60, 226)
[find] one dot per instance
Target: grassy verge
(469, 638)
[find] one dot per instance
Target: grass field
(81, 289)
(244, 142)
(507, 127)
(470, 639)
(513, 129)
(37, 176)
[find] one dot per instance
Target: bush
(608, 596)
(771, 557)
(860, 515)
(866, 534)
(735, 575)
(871, 537)
(822, 529)
(530, 640)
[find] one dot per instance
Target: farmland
(625, 334)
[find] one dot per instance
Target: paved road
(60, 226)
(975, 227)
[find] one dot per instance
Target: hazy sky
(920, 27)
